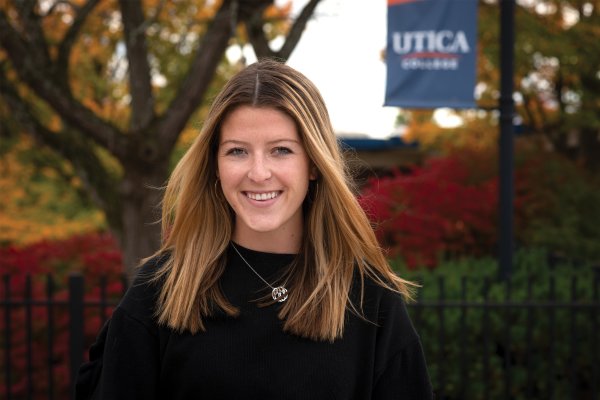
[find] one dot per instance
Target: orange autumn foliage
(36, 205)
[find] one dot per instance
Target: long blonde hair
(198, 223)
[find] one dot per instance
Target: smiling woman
(270, 281)
(264, 173)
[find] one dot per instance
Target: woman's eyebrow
(271, 142)
(283, 140)
(233, 141)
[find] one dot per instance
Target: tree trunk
(132, 205)
(590, 149)
(140, 204)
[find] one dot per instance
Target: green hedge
(549, 350)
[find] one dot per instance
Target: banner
(431, 53)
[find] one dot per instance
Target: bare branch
(260, 42)
(66, 45)
(33, 30)
(153, 19)
(58, 3)
(297, 29)
(257, 37)
(71, 111)
(142, 100)
(190, 94)
(72, 146)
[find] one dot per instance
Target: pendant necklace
(279, 293)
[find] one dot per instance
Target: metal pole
(76, 342)
(506, 139)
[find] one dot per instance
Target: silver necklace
(279, 293)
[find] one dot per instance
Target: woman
(270, 282)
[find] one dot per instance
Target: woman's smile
(262, 196)
(264, 172)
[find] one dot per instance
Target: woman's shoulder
(377, 289)
(147, 271)
(139, 301)
(385, 307)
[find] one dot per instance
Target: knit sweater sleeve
(131, 360)
(405, 376)
(402, 371)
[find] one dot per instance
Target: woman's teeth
(262, 196)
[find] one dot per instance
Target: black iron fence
(46, 328)
(501, 341)
(483, 339)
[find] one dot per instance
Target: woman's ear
(314, 173)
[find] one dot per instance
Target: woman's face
(264, 173)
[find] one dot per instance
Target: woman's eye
(236, 151)
(282, 150)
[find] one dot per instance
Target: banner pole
(506, 139)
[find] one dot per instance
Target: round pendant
(280, 294)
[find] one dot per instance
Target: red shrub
(97, 257)
(435, 210)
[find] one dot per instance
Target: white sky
(340, 51)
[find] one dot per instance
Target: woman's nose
(259, 170)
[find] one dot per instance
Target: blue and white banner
(431, 53)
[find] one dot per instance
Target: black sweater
(250, 357)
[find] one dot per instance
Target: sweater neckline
(261, 256)
(264, 262)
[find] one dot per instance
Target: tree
(39, 202)
(557, 65)
(563, 105)
(124, 79)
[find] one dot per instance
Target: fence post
(75, 326)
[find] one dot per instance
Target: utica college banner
(431, 53)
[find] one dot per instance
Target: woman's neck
(269, 242)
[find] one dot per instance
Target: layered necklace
(279, 293)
